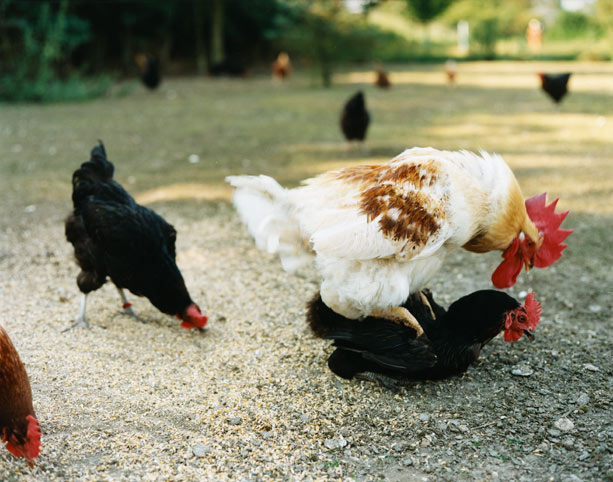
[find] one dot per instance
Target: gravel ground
(251, 398)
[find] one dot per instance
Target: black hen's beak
(529, 334)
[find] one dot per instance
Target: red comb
(548, 222)
(533, 310)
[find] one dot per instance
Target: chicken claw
(424, 300)
(401, 316)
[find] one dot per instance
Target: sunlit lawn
(291, 131)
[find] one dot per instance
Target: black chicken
(150, 71)
(115, 237)
(452, 339)
(355, 118)
(555, 85)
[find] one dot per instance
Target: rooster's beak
(529, 334)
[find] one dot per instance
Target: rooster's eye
(521, 318)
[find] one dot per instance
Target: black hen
(115, 237)
(452, 339)
(555, 85)
(355, 118)
(150, 72)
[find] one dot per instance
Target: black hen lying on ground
(452, 339)
(555, 85)
(115, 237)
(355, 118)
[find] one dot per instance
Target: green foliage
(36, 45)
(489, 20)
(605, 17)
(485, 33)
(324, 32)
(571, 25)
(427, 10)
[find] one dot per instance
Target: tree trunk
(217, 21)
(199, 37)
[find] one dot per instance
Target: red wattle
(506, 273)
(512, 335)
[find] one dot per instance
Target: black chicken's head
(481, 315)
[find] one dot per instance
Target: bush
(38, 41)
(571, 25)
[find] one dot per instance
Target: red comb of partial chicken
(548, 222)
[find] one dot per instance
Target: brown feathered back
(18, 426)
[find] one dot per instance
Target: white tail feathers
(265, 207)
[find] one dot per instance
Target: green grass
(291, 131)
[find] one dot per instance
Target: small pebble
(590, 367)
(583, 399)
(193, 158)
(564, 424)
(407, 462)
(234, 420)
(595, 308)
(200, 450)
(424, 417)
(335, 443)
(522, 371)
(30, 209)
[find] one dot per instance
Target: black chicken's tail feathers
(322, 319)
(376, 345)
(97, 169)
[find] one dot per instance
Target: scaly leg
(401, 316)
(80, 321)
(126, 305)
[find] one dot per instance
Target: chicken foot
(401, 316)
(80, 320)
(383, 380)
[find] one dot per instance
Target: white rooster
(380, 232)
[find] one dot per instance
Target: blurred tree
(217, 28)
(491, 19)
(604, 10)
(326, 33)
(36, 44)
(427, 10)
(201, 62)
